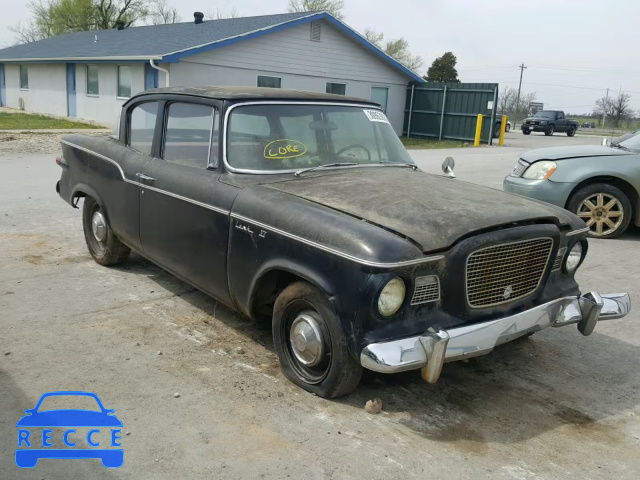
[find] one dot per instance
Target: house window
(270, 82)
(337, 88)
(142, 124)
(24, 77)
(124, 81)
(316, 31)
(188, 134)
(380, 95)
(93, 86)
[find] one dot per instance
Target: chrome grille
(519, 169)
(427, 290)
(504, 273)
(557, 263)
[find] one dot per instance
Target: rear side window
(142, 124)
(188, 135)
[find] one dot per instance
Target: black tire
(507, 128)
(549, 131)
(109, 250)
(572, 131)
(496, 131)
(575, 205)
(526, 132)
(336, 372)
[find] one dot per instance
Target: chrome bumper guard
(437, 346)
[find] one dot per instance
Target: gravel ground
(554, 406)
(26, 143)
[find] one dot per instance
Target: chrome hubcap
(602, 212)
(306, 340)
(99, 226)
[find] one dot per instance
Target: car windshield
(273, 138)
(632, 143)
(66, 402)
(545, 115)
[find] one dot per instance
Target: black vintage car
(306, 208)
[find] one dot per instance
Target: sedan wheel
(103, 245)
(604, 208)
(310, 343)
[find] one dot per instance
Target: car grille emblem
(507, 292)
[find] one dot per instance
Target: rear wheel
(507, 128)
(103, 245)
(549, 131)
(310, 344)
(572, 131)
(605, 209)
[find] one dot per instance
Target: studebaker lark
(307, 209)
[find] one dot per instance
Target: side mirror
(447, 167)
(605, 142)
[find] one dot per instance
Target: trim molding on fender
(577, 232)
(405, 263)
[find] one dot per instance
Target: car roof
(254, 93)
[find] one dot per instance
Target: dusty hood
(431, 210)
(560, 153)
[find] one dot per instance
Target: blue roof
(169, 43)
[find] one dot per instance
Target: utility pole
(521, 67)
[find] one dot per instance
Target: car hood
(578, 151)
(69, 418)
(432, 211)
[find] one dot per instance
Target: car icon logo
(103, 429)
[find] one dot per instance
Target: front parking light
(573, 259)
(540, 170)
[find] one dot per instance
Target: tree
(616, 108)
(56, 17)
(162, 14)
(397, 49)
(443, 69)
(334, 7)
(221, 14)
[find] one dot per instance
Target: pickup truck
(549, 121)
(305, 209)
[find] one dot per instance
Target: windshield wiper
(622, 147)
(325, 165)
(399, 164)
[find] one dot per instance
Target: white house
(91, 74)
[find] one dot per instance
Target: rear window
(188, 134)
(142, 124)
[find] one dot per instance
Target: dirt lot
(557, 405)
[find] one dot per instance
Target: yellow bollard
(476, 143)
(503, 126)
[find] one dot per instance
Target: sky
(573, 50)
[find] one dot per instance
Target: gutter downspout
(153, 65)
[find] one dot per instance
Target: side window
(93, 83)
(560, 115)
(188, 135)
(24, 77)
(142, 123)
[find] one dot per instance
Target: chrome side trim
(144, 186)
(281, 102)
(577, 232)
(433, 258)
(479, 339)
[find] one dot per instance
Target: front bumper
(436, 346)
(556, 193)
(535, 128)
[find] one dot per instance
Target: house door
(3, 91)
(150, 77)
(71, 89)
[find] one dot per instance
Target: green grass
(23, 121)
(431, 143)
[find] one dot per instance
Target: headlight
(391, 297)
(540, 170)
(573, 259)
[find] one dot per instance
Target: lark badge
(283, 149)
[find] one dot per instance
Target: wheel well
(626, 188)
(268, 287)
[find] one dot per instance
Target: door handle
(145, 178)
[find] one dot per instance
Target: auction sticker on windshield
(283, 149)
(376, 116)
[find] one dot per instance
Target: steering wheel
(351, 147)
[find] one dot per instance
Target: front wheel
(310, 344)
(549, 131)
(605, 209)
(103, 245)
(526, 132)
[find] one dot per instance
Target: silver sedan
(600, 184)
